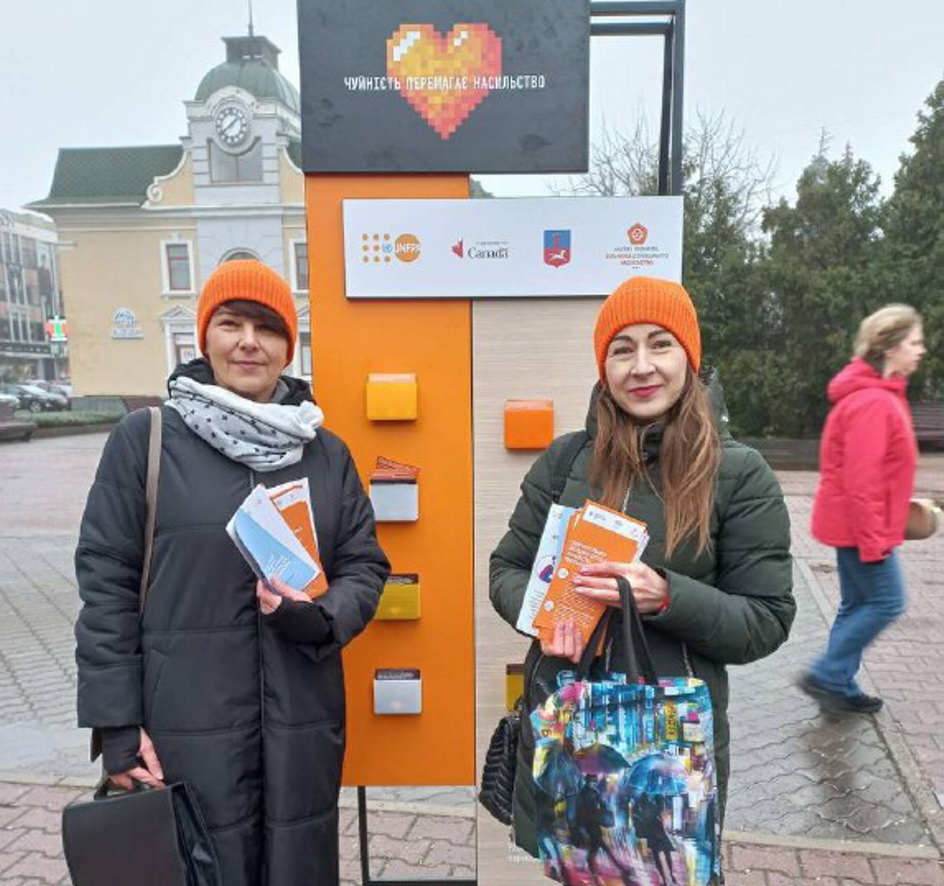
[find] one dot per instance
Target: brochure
(594, 533)
(293, 502)
(547, 558)
(386, 470)
(270, 546)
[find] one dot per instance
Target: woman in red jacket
(867, 465)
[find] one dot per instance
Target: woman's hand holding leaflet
(294, 614)
(598, 582)
(150, 774)
(566, 642)
(270, 601)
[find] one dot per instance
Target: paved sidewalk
(409, 843)
(813, 800)
(906, 665)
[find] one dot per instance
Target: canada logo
(638, 234)
(458, 248)
(557, 248)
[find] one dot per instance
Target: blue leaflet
(267, 556)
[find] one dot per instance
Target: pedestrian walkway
(813, 800)
(797, 773)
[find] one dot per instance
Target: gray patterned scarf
(262, 436)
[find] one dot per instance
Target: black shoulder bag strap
(560, 470)
(150, 518)
(150, 491)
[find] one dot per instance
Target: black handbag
(496, 786)
(148, 836)
(498, 774)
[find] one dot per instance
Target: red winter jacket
(867, 463)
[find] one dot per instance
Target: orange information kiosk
(352, 344)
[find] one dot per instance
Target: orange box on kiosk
(529, 424)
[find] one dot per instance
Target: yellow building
(142, 227)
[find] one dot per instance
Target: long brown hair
(688, 461)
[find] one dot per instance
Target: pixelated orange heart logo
(444, 78)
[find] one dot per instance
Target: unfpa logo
(381, 248)
(407, 247)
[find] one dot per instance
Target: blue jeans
(872, 596)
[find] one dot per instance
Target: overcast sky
(80, 73)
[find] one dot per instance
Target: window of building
(17, 289)
(184, 348)
(304, 351)
(29, 253)
(301, 265)
(180, 335)
(20, 325)
(178, 271)
(226, 168)
(12, 250)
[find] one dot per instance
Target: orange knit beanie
(247, 280)
(648, 300)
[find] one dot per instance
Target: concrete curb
(74, 430)
(919, 789)
(46, 781)
(885, 850)
(437, 810)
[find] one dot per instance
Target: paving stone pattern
(796, 772)
(907, 666)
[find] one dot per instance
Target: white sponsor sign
(507, 248)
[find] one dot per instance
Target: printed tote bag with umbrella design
(625, 773)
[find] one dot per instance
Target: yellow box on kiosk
(391, 396)
(400, 600)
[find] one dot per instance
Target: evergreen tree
(821, 276)
(915, 239)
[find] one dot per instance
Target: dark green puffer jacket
(731, 604)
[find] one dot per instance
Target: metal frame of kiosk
(672, 29)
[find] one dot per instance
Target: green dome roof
(255, 76)
(251, 64)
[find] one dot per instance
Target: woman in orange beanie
(714, 585)
(223, 682)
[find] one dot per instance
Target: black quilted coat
(252, 720)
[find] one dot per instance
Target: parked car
(35, 399)
(63, 389)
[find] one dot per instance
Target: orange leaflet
(595, 534)
(293, 502)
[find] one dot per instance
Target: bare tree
(717, 165)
